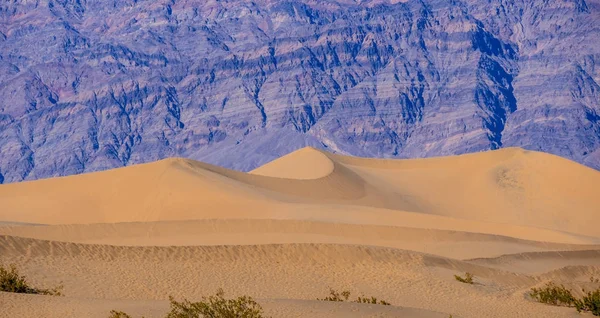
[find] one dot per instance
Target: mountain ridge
(240, 83)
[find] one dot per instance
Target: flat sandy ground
(286, 233)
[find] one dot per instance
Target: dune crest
(304, 164)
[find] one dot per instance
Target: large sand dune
(288, 231)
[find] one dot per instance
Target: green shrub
(216, 306)
(345, 295)
(11, 281)
(371, 300)
(553, 294)
(590, 302)
(468, 279)
(118, 314)
(335, 296)
(560, 296)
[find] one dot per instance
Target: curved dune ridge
(288, 231)
(306, 163)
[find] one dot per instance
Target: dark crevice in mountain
(494, 93)
(586, 91)
(252, 90)
(584, 88)
(124, 132)
(173, 109)
(412, 104)
(581, 6)
(26, 162)
(38, 95)
(488, 44)
(592, 116)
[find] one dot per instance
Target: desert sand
(285, 233)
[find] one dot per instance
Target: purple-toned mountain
(91, 85)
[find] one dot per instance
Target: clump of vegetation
(371, 300)
(335, 296)
(215, 306)
(561, 296)
(590, 302)
(118, 314)
(345, 295)
(553, 294)
(594, 279)
(468, 279)
(13, 282)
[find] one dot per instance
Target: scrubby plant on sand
(345, 295)
(553, 294)
(215, 306)
(336, 296)
(468, 279)
(589, 302)
(13, 282)
(561, 296)
(371, 300)
(118, 314)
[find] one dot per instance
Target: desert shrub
(370, 300)
(468, 279)
(118, 314)
(589, 302)
(560, 296)
(216, 306)
(335, 296)
(345, 295)
(594, 279)
(553, 294)
(13, 282)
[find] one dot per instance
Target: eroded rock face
(92, 85)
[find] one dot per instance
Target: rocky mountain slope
(91, 85)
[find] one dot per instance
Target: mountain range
(92, 85)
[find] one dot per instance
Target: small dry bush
(468, 279)
(589, 302)
(371, 300)
(216, 306)
(560, 296)
(553, 294)
(13, 282)
(336, 296)
(345, 295)
(118, 314)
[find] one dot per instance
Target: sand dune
(449, 243)
(287, 231)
